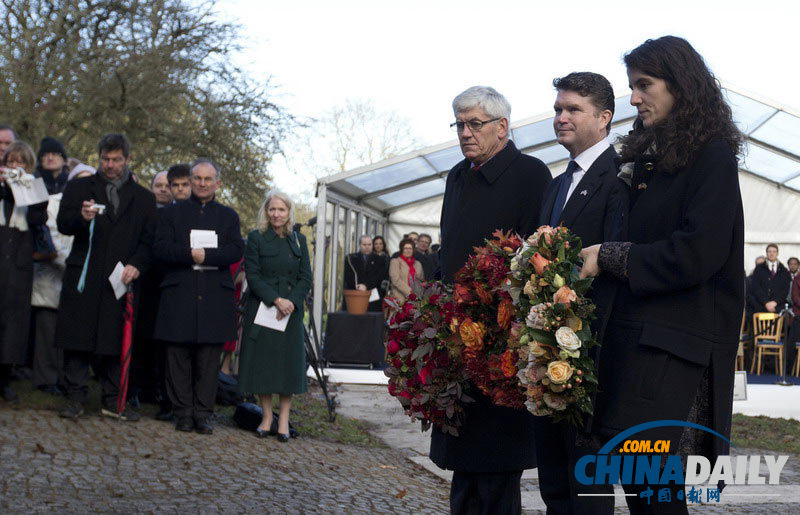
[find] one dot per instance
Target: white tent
(404, 193)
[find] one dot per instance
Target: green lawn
(771, 434)
(309, 415)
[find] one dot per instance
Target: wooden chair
(797, 360)
(744, 337)
(767, 331)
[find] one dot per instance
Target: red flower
(392, 347)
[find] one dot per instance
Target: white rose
(556, 402)
(567, 339)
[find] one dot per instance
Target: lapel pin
(584, 193)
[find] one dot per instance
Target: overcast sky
(413, 57)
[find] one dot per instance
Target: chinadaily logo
(630, 461)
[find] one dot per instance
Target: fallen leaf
(40, 448)
(401, 494)
(148, 455)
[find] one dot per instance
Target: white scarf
(18, 217)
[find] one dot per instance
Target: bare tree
(159, 71)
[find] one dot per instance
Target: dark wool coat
(274, 361)
(92, 321)
(370, 274)
(765, 288)
(16, 280)
(197, 306)
(682, 300)
(505, 193)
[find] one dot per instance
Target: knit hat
(79, 168)
(51, 145)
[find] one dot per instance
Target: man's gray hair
(205, 161)
(156, 176)
(363, 237)
(485, 97)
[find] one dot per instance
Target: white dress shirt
(585, 160)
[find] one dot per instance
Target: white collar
(587, 158)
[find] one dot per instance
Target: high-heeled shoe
(273, 430)
(283, 437)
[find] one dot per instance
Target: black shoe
(10, 395)
(184, 424)
(283, 437)
(165, 415)
(73, 410)
(203, 427)
(52, 389)
(127, 416)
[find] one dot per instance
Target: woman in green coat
(278, 274)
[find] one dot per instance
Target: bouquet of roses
(484, 321)
(424, 357)
(555, 368)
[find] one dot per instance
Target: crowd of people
(372, 268)
(773, 287)
(102, 251)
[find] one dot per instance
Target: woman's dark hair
(698, 115)
(376, 238)
(406, 241)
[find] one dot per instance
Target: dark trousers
(484, 493)
(5, 375)
(192, 370)
(556, 455)
(148, 371)
(76, 376)
(48, 361)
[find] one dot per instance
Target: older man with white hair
(495, 187)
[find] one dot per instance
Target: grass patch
(772, 434)
(309, 414)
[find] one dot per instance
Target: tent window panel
(391, 175)
(747, 113)
(551, 154)
(534, 133)
(420, 191)
(770, 165)
(445, 159)
(782, 131)
(623, 109)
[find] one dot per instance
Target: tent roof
(772, 151)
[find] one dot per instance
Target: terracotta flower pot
(357, 301)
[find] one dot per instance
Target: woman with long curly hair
(671, 342)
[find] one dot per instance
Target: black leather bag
(248, 417)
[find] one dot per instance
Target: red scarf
(411, 270)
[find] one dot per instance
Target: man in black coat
(494, 187)
(196, 313)
(770, 284)
(364, 270)
(90, 316)
(591, 201)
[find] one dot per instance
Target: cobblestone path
(48, 464)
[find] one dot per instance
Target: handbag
(43, 247)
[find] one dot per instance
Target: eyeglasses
(474, 125)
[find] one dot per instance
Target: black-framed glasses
(474, 125)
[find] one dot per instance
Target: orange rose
(461, 294)
(505, 312)
(483, 294)
(472, 334)
(564, 295)
(507, 365)
(539, 263)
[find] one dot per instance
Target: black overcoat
(370, 273)
(92, 321)
(505, 193)
(765, 288)
(595, 212)
(197, 306)
(16, 279)
(683, 297)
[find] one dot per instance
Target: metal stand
(786, 313)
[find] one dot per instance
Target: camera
(100, 208)
(12, 174)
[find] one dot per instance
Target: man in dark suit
(590, 200)
(494, 187)
(196, 313)
(90, 316)
(770, 284)
(428, 258)
(363, 270)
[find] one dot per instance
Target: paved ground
(373, 404)
(48, 464)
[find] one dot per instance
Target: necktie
(561, 196)
(772, 270)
